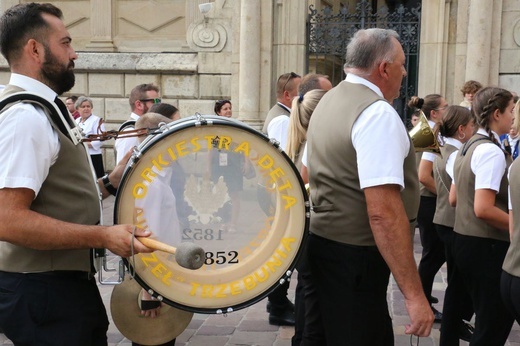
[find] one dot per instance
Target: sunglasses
(290, 76)
(155, 101)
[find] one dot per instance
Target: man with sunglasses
(286, 90)
(142, 97)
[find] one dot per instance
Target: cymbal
(126, 313)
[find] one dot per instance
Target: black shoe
(285, 318)
(434, 300)
(465, 331)
(288, 304)
(437, 315)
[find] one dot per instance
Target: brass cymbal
(126, 313)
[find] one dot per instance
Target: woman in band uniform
(482, 221)
(433, 106)
(456, 128)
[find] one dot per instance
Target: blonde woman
(301, 111)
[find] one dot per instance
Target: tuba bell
(423, 138)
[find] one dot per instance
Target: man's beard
(59, 78)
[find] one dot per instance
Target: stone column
(479, 41)
(249, 70)
(101, 26)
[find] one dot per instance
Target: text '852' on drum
(225, 187)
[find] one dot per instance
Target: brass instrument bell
(423, 138)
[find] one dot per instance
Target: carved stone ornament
(207, 37)
(516, 32)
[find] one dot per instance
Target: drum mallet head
(187, 255)
(190, 256)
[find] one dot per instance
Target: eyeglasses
(290, 76)
(155, 100)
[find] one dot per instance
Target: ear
(496, 114)
(34, 50)
(382, 69)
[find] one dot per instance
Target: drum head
(222, 185)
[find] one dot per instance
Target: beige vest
(512, 260)
(274, 112)
(466, 222)
(339, 206)
(444, 212)
(68, 194)
(424, 191)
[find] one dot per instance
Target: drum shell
(265, 248)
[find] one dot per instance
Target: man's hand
(118, 239)
(421, 316)
(392, 233)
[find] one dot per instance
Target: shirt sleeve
(278, 129)
(509, 204)
(96, 145)
(30, 146)
(489, 165)
(381, 144)
(450, 163)
(123, 145)
(304, 156)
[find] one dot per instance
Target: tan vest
(512, 260)
(444, 212)
(466, 222)
(274, 112)
(68, 194)
(423, 190)
(339, 206)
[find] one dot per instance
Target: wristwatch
(108, 185)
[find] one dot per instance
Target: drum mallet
(187, 255)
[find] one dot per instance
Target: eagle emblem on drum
(206, 198)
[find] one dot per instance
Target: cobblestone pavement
(250, 326)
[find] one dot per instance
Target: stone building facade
(239, 47)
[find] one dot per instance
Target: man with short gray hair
(365, 200)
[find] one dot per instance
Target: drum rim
(193, 121)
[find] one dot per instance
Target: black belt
(67, 274)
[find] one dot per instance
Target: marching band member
(456, 127)
(481, 221)
(433, 106)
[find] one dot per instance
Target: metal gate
(328, 35)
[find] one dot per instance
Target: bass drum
(224, 186)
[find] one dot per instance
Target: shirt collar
(32, 85)
(134, 116)
(483, 132)
(284, 107)
(453, 141)
(355, 79)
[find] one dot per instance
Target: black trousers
(433, 253)
(510, 289)
(479, 262)
(348, 293)
(45, 309)
(457, 301)
(97, 162)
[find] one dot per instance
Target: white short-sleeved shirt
(123, 145)
(278, 129)
(488, 163)
(379, 122)
(90, 127)
(29, 146)
(376, 122)
(159, 208)
(451, 159)
(509, 203)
